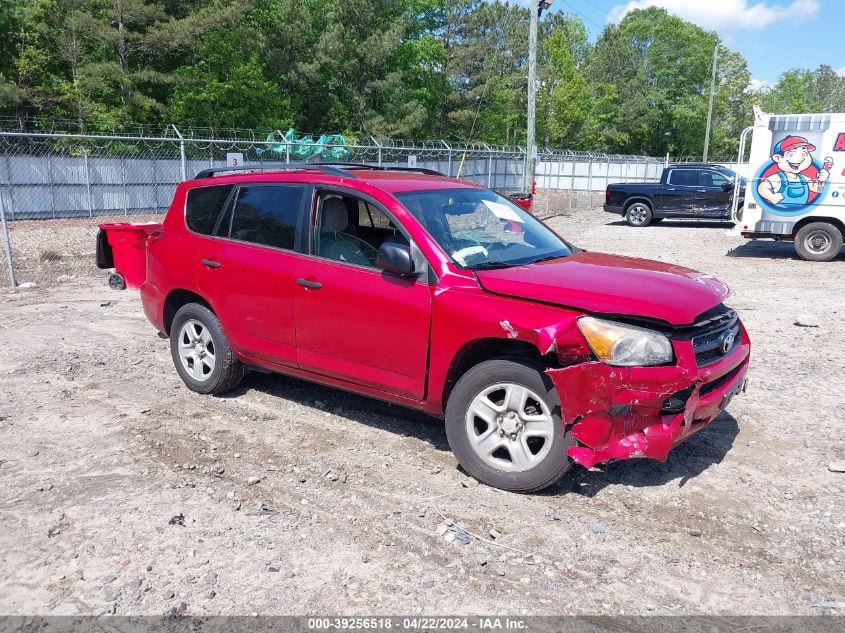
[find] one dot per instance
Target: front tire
(201, 352)
(639, 214)
(503, 423)
(818, 242)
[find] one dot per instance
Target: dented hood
(599, 283)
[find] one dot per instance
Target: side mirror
(395, 258)
(728, 186)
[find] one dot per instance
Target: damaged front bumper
(627, 412)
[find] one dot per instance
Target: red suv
(439, 295)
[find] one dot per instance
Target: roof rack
(344, 170)
(419, 170)
(325, 168)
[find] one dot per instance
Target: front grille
(719, 382)
(709, 341)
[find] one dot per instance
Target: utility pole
(528, 183)
(537, 8)
(710, 102)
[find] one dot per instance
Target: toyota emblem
(727, 342)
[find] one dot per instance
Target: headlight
(625, 345)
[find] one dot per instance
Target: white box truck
(796, 182)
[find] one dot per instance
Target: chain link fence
(56, 187)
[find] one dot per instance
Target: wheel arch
(480, 350)
(810, 219)
(634, 199)
(177, 298)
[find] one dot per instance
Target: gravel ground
(122, 492)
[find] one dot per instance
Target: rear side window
(684, 177)
(204, 206)
(268, 215)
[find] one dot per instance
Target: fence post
(489, 165)
(155, 184)
(449, 158)
(125, 192)
(374, 140)
(50, 186)
(181, 152)
(7, 244)
(88, 185)
(13, 206)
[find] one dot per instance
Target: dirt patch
(358, 506)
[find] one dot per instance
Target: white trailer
(796, 182)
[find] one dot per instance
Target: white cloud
(726, 14)
(758, 85)
(841, 71)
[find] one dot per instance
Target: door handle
(701, 190)
(210, 263)
(313, 285)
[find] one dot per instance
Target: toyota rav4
(439, 295)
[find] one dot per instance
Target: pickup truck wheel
(818, 242)
(503, 424)
(639, 214)
(201, 352)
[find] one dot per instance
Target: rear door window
(268, 215)
(203, 207)
(684, 177)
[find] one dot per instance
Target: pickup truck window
(711, 179)
(480, 229)
(684, 177)
(267, 215)
(203, 207)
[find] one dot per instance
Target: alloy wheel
(196, 350)
(510, 427)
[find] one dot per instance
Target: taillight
(607, 194)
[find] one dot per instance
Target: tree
(794, 92)
(660, 67)
(487, 70)
(11, 95)
(454, 69)
(567, 95)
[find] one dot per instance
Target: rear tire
(503, 423)
(201, 352)
(818, 242)
(639, 214)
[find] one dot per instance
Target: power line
(574, 10)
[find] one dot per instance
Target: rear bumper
(612, 208)
(620, 413)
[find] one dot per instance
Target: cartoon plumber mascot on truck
(793, 181)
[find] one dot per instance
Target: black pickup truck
(688, 190)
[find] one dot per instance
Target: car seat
(335, 239)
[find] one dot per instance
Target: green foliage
(453, 69)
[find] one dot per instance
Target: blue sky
(773, 35)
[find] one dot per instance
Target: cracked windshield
(481, 230)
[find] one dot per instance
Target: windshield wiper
(490, 265)
(545, 258)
